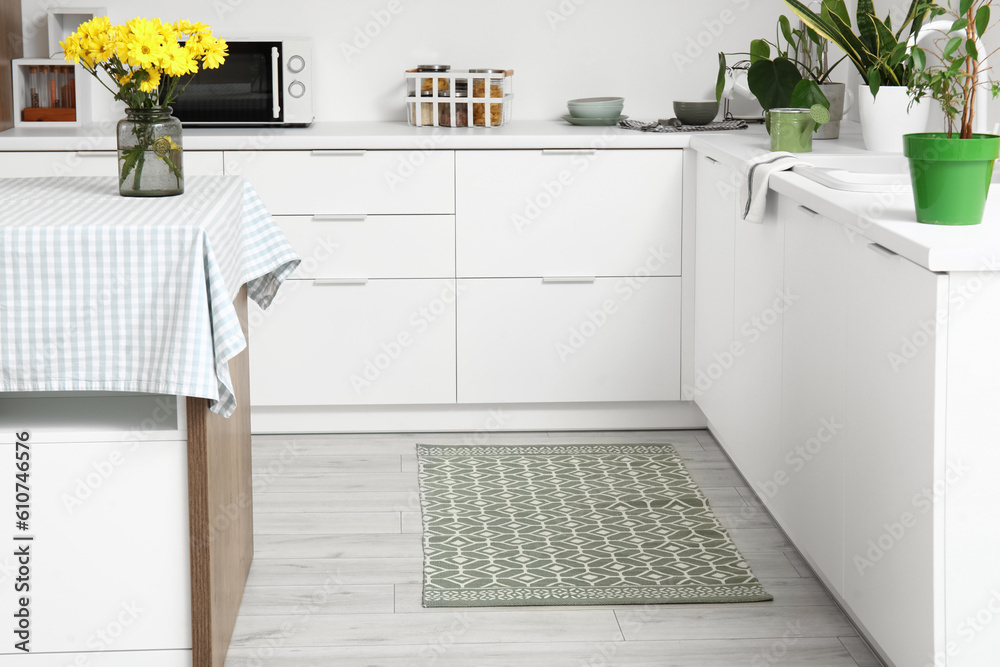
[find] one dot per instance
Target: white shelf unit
(63, 21)
(22, 83)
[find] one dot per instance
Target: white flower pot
(887, 117)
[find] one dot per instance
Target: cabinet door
(374, 342)
(714, 268)
(894, 418)
(759, 306)
(93, 163)
(523, 213)
(806, 490)
(108, 566)
(375, 246)
(611, 339)
(349, 182)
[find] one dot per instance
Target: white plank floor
(336, 576)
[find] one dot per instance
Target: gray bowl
(696, 113)
(596, 107)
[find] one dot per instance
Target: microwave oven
(261, 83)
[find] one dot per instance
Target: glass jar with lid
(461, 107)
(487, 87)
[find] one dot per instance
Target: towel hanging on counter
(756, 174)
(656, 127)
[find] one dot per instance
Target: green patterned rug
(572, 525)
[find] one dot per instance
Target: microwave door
(244, 90)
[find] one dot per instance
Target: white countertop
(360, 135)
(886, 218)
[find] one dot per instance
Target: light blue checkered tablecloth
(100, 292)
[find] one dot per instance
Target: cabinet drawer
(352, 182)
(381, 342)
(530, 213)
(375, 246)
(523, 340)
(93, 163)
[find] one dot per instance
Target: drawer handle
(711, 159)
(808, 211)
(882, 250)
(569, 151)
(324, 282)
(360, 217)
(326, 153)
(556, 280)
(93, 154)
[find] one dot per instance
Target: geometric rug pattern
(572, 525)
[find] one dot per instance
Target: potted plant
(779, 82)
(883, 60)
(951, 171)
(798, 76)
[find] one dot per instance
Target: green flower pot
(951, 177)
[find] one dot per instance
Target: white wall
(649, 51)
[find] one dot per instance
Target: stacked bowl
(595, 111)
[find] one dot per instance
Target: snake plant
(880, 55)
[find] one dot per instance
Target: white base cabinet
(893, 554)
(834, 408)
(110, 489)
(374, 342)
(606, 339)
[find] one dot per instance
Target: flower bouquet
(147, 64)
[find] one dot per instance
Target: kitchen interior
(825, 376)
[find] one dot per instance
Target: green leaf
(982, 19)
(807, 94)
(960, 24)
(971, 49)
(874, 80)
(838, 8)
(720, 81)
(951, 47)
(964, 5)
(773, 81)
(759, 50)
(866, 26)
(899, 54)
(919, 59)
(786, 28)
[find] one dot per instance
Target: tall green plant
(953, 83)
(879, 54)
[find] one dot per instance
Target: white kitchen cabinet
(93, 163)
(384, 246)
(107, 478)
(355, 342)
(524, 213)
(807, 487)
(759, 306)
(349, 182)
(895, 423)
(607, 339)
(714, 268)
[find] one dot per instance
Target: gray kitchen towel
(756, 173)
(656, 127)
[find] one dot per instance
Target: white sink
(857, 173)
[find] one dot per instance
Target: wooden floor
(336, 576)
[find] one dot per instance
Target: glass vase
(150, 154)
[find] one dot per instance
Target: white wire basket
(459, 98)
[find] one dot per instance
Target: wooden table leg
(220, 496)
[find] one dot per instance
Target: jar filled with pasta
(494, 85)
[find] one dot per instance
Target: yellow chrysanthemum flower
(152, 81)
(71, 49)
(177, 62)
(215, 52)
